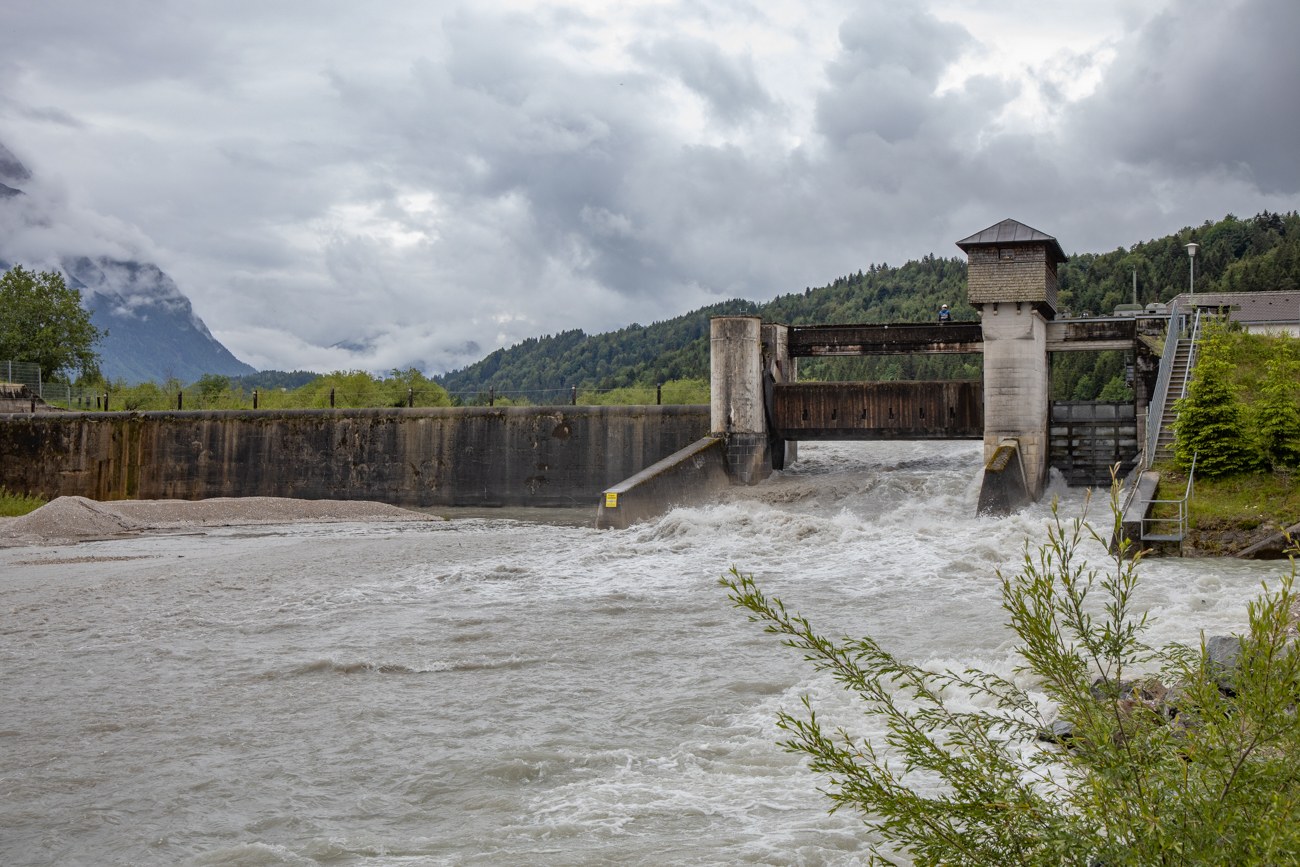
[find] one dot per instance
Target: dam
(631, 463)
(530, 692)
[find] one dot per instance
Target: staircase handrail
(1156, 407)
(1191, 353)
(1180, 521)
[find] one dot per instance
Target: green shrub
(211, 386)
(16, 505)
(675, 392)
(1206, 776)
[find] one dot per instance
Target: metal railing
(22, 373)
(1179, 522)
(1191, 354)
(1178, 331)
(1156, 408)
(60, 394)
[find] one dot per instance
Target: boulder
(1223, 653)
(1060, 732)
(1275, 547)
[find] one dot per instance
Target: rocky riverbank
(1225, 538)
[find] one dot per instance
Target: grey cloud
(49, 114)
(1205, 86)
(10, 168)
(130, 286)
(421, 185)
(496, 122)
(883, 81)
(729, 85)
(100, 46)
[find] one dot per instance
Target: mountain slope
(1258, 254)
(679, 348)
(153, 333)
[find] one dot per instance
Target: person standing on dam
(944, 314)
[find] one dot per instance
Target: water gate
(760, 410)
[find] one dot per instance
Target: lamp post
(1191, 260)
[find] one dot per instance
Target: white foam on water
(492, 691)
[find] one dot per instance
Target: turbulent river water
(491, 690)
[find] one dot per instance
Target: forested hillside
(1261, 254)
(1258, 254)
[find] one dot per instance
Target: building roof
(1011, 232)
(1281, 306)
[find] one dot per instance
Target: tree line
(1261, 253)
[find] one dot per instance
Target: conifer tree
(1276, 413)
(1211, 420)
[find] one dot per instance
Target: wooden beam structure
(895, 338)
(906, 338)
(931, 410)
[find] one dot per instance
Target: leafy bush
(676, 392)
(16, 505)
(211, 386)
(1203, 773)
(352, 389)
(1116, 389)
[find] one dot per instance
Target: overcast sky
(428, 181)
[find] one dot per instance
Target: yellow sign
(611, 500)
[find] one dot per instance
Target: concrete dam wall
(460, 456)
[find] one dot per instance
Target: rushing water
(492, 690)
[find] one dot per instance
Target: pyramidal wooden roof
(1010, 231)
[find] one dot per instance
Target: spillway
(504, 688)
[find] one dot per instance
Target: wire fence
(23, 373)
(177, 396)
(61, 394)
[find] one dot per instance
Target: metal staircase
(1178, 378)
(1177, 363)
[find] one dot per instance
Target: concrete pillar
(1017, 388)
(736, 383)
(778, 363)
(1011, 279)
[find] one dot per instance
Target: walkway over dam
(909, 410)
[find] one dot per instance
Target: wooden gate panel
(944, 409)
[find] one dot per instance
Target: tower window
(1006, 255)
